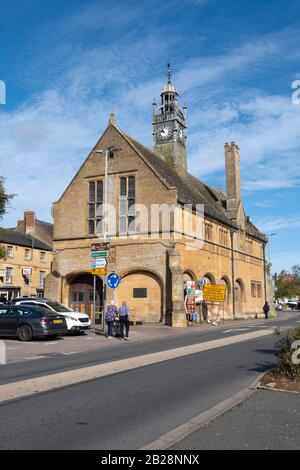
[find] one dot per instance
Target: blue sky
(66, 64)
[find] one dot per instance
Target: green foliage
(4, 201)
(285, 288)
(285, 352)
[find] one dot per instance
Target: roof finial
(112, 118)
(169, 73)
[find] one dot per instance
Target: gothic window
(208, 231)
(223, 237)
(95, 207)
(127, 205)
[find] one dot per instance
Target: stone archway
(239, 296)
(210, 278)
(143, 291)
(81, 290)
(227, 304)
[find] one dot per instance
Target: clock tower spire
(169, 128)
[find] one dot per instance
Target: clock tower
(169, 128)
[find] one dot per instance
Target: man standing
(266, 309)
(124, 320)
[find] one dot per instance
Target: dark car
(28, 322)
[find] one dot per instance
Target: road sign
(99, 254)
(113, 280)
(99, 271)
(190, 305)
(99, 263)
(214, 293)
(101, 246)
(202, 282)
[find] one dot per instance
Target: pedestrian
(110, 316)
(266, 309)
(124, 320)
(205, 311)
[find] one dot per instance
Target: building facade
(27, 261)
(153, 256)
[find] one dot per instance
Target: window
(127, 205)
(256, 289)
(42, 279)
(8, 275)
(249, 246)
(95, 207)
(27, 253)
(223, 237)
(10, 251)
(77, 297)
(139, 293)
(43, 256)
(208, 231)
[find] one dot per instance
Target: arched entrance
(143, 291)
(225, 282)
(239, 293)
(81, 293)
(209, 278)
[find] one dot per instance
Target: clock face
(164, 132)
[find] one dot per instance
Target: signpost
(113, 280)
(99, 263)
(99, 254)
(99, 272)
(102, 246)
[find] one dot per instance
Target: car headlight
(71, 318)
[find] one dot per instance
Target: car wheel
(25, 333)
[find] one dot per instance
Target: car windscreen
(58, 307)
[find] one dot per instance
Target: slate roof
(191, 190)
(13, 237)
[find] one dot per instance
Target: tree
(285, 288)
(296, 271)
(4, 201)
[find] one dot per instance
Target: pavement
(266, 420)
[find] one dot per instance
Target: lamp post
(108, 153)
(269, 249)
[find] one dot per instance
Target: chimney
(233, 176)
(29, 221)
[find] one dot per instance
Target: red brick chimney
(29, 221)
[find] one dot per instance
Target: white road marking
(61, 379)
(50, 344)
(236, 329)
(70, 352)
(34, 357)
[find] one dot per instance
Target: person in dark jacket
(124, 320)
(110, 316)
(266, 309)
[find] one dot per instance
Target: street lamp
(269, 249)
(108, 153)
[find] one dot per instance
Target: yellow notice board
(99, 271)
(214, 293)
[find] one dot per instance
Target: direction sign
(101, 246)
(99, 254)
(113, 280)
(99, 263)
(99, 271)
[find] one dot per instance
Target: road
(130, 409)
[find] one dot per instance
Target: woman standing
(110, 316)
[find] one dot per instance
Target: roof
(22, 239)
(46, 226)
(191, 190)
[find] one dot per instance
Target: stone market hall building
(153, 269)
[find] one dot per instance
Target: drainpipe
(232, 273)
(265, 274)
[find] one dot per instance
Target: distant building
(153, 270)
(28, 258)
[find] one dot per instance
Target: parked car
(27, 322)
(292, 304)
(77, 322)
